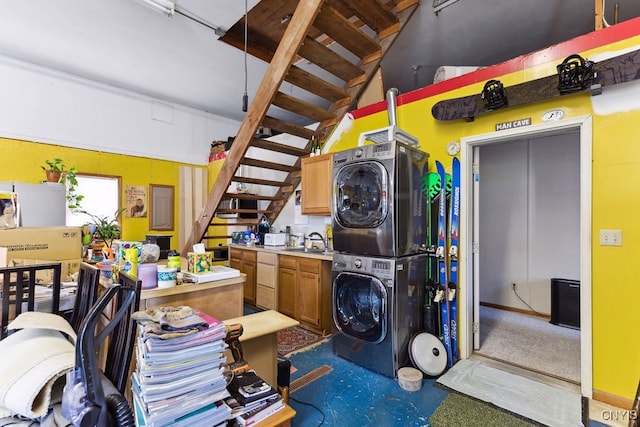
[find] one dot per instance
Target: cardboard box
(67, 267)
(48, 243)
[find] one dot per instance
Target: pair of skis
(448, 259)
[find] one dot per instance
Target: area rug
(458, 410)
(531, 399)
(295, 339)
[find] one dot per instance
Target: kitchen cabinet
(305, 292)
(316, 184)
(287, 274)
(245, 260)
(266, 280)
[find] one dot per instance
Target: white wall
(42, 105)
(529, 219)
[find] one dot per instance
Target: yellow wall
(616, 203)
(23, 160)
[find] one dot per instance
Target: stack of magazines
(179, 378)
(252, 399)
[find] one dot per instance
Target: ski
(575, 74)
(441, 254)
(454, 228)
(431, 189)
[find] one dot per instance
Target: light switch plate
(610, 237)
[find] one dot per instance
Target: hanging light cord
(245, 96)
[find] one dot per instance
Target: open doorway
(510, 236)
(529, 234)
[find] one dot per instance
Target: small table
(260, 341)
(281, 418)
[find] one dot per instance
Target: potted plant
(53, 169)
(104, 228)
(56, 171)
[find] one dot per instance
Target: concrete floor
(350, 395)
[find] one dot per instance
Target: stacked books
(179, 378)
(252, 399)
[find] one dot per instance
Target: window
(101, 198)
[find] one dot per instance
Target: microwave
(235, 203)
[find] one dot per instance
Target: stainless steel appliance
(379, 208)
(377, 305)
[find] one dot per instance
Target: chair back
(86, 293)
(124, 337)
(19, 286)
(124, 300)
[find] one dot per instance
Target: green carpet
(461, 411)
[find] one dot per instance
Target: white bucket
(167, 277)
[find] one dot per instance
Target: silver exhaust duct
(392, 106)
(392, 132)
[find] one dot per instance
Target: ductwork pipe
(392, 94)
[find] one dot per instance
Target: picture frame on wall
(161, 215)
(136, 201)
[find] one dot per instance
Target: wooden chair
(123, 338)
(86, 293)
(19, 287)
(122, 300)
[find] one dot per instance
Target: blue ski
(454, 233)
(441, 254)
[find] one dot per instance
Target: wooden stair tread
(268, 165)
(280, 148)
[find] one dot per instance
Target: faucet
(315, 233)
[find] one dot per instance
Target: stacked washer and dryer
(379, 233)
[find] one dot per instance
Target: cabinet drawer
(288, 262)
(309, 266)
(266, 275)
(266, 297)
(235, 253)
(266, 258)
(249, 256)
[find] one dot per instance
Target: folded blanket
(33, 361)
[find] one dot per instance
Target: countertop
(282, 250)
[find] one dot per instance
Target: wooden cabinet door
(287, 291)
(316, 184)
(309, 298)
(249, 268)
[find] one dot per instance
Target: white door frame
(466, 295)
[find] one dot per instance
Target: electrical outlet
(610, 237)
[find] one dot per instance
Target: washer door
(360, 307)
(361, 191)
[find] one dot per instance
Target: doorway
(529, 208)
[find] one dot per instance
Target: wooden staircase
(325, 50)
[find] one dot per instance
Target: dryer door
(360, 306)
(360, 196)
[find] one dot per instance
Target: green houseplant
(53, 169)
(104, 228)
(56, 171)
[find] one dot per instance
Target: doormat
(531, 399)
(309, 377)
(458, 410)
(295, 339)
